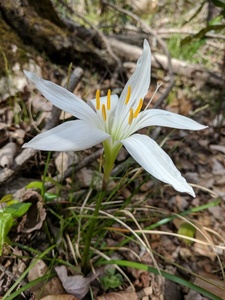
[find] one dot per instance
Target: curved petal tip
(155, 161)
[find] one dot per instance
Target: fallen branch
(191, 71)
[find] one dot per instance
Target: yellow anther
(128, 94)
(131, 116)
(98, 103)
(109, 100)
(103, 112)
(138, 109)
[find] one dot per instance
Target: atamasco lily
(114, 121)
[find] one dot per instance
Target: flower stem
(85, 257)
(111, 151)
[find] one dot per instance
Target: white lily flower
(114, 121)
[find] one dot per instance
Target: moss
(12, 49)
(31, 33)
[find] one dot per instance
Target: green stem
(85, 258)
(111, 151)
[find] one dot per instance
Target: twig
(147, 29)
(12, 276)
(169, 31)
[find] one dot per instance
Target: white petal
(140, 79)
(63, 99)
(70, 136)
(155, 161)
(158, 117)
(139, 83)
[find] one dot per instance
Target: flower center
(104, 107)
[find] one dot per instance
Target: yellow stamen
(109, 100)
(138, 109)
(128, 94)
(131, 116)
(97, 99)
(103, 112)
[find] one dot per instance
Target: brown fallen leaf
(59, 297)
(36, 214)
(52, 287)
(202, 249)
(77, 285)
(7, 154)
(64, 160)
(87, 177)
(217, 167)
(217, 148)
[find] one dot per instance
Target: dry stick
(147, 29)
(12, 276)
(170, 31)
(7, 174)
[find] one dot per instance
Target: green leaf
(35, 185)
(216, 21)
(188, 230)
(8, 199)
(111, 280)
(6, 222)
(50, 196)
(7, 217)
(17, 210)
(51, 180)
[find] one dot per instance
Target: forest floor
(52, 232)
